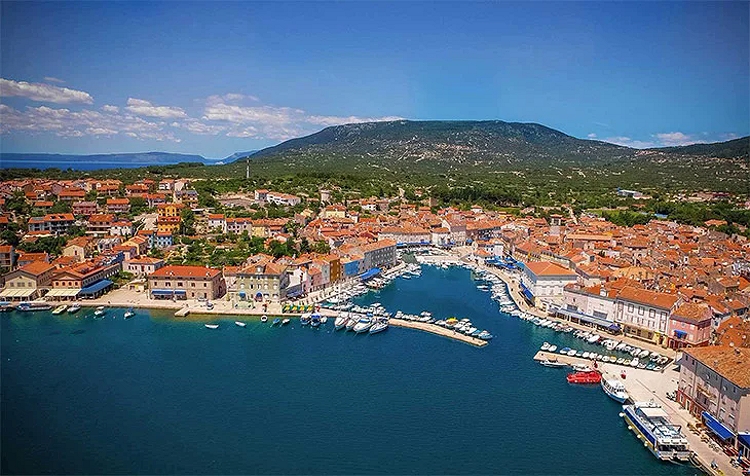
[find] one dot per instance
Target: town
(149, 244)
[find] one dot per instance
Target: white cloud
(52, 79)
(145, 108)
(196, 127)
(43, 92)
(591, 136)
(110, 108)
(628, 142)
(669, 139)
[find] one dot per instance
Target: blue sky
(215, 78)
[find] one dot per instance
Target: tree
(60, 207)
(138, 205)
(9, 237)
(187, 225)
(91, 195)
(321, 247)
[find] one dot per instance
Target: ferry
(60, 309)
(651, 423)
(33, 306)
(74, 308)
(615, 390)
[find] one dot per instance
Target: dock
(182, 312)
(441, 331)
(566, 359)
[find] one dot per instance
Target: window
(192, 285)
(651, 313)
(640, 310)
(630, 308)
(205, 285)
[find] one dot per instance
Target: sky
(217, 78)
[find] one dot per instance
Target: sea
(160, 395)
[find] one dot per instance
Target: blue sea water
(158, 395)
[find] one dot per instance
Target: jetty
(182, 312)
(566, 359)
(441, 331)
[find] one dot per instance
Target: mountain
(728, 150)
(238, 155)
(97, 161)
(438, 145)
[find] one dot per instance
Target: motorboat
(276, 322)
(363, 325)
(572, 352)
(315, 320)
(100, 311)
(323, 319)
(6, 306)
(651, 424)
(379, 326)
(634, 362)
(340, 321)
(586, 355)
(552, 363)
(351, 323)
(615, 390)
(263, 318)
(581, 367)
(129, 313)
(239, 323)
(75, 307)
(31, 306)
(60, 309)
(211, 326)
(552, 348)
(485, 335)
(545, 346)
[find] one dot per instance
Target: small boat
(552, 348)
(552, 363)
(379, 326)
(60, 309)
(323, 319)
(100, 311)
(129, 313)
(6, 306)
(340, 322)
(581, 367)
(615, 390)
(351, 323)
(304, 319)
(33, 306)
(276, 321)
(211, 326)
(584, 377)
(634, 362)
(263, 318)
(74, 308)
(315, 320)
(485, 335)
(363, 325)
(285, 322)
(239, 324)
(545, 346)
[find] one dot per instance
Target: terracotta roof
(649, 298)
(547, 268)
(37, 267)
(175, 271)
(730, 362)
(693, 312)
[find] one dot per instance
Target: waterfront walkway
(441, 331)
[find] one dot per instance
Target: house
(186, 282)
(55, 224)
(406, 235)
(166, 185)
(155, 199)
(168, 224)
(99, 225)
(118, 205)
(334, 211)
(542, 283)
(7, 257)
(85, 208)
(164, 239)
(71, 195)
(79, 248)
(143, 266)
(187, 197)
(167, 210)
(89, 279)
(217, 221)
(136, 190)
(262, 280)
(261, 195)
(644, 314)
(23, 258)
(714, 386)
(593, 305)
(121, 227)
(689, 325)
(283, 199)
(26, 282)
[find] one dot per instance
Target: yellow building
(169, 224)
(166, 210)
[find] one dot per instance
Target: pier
(441, 331)
(566, 359)
(182, 312)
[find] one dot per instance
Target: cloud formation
(52, 79)
(145, 108)
(43, 92)
(661, 139)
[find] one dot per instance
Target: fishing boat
(211, 326)
(33, 306)
(100, 311)
(552, 363)
(315, 320)
(651, 424)
(129, 313)
(263, 318)
(60, 309)
(239, 324)
(363, 325)
(340, 322)
(285, 322)
(74, 308)
(276, 321)
(304, 319)
(584, 377)
(615, 390)
(379, 326)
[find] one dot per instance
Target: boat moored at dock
(74, 308)
(651, 423)
(615, 390)
(31, 306)
(60, 309)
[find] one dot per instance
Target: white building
(542, 283)
(644, 314)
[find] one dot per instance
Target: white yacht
(615, 389)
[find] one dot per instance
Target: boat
(634, 362)
(323, 319)
(32, 306)
(379, 326)
(239, 323)
(315, 320)
(276, 321)
(129, 313)
(60, 309)
(100, 311)
(615, 390)
(340, 322)
(6, 306)
(552, 348)
(545, 346)
(304, 319)
(74, 308)
(363, 325)
(351, 323)
(285, 322)
(581, 367)
(211, 326)
(263, 318)
(584, 377)
(552, 363)
(485, 335)
(651, 423)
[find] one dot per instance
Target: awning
(717, 427)
(294, 293)
(591, 319)
(63, 292)
(180, 291)
(744, 439)
(527, 294)
(680, 334)
(96, 287)
(17, 293)
(162, 292)
(369, 274)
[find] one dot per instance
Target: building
(542, 283)
(689, 325)
(261, 195)
(26, 282)
(283, 199)
(590, 305)
(168, 224)
(143, 266)
(644, 314)
(406, 235)
(164, 239)
(186, 282)
(715, 387)
(262, 280)
(85, 208)
(380, 254)
(118, 205)
(99, 225)
(7, 257)
(79, 248)
(87, 280)
(217, 221)
(54, 224)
